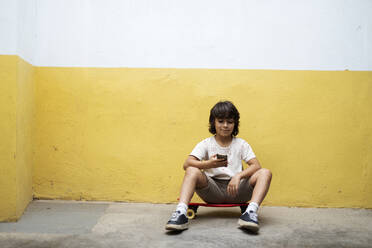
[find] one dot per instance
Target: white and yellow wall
(103, 100)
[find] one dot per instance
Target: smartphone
(219, 156)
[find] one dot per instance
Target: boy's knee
(193, 171)
(266, 173)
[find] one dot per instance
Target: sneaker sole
(248, 225)
(176, 227)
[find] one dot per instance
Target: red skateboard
(193, 207)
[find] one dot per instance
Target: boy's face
(224, 127)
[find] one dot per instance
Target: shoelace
(175, 215)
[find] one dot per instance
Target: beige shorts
(216, 191)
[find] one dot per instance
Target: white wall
(8, 27)
(27, 30)
(247, 34)
(18, 28)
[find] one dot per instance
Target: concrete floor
(96, 224)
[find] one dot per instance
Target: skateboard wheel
(190, 213)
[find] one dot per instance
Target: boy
(221, 180)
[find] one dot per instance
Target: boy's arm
(253, 166)
(233, 186)
(205, 164)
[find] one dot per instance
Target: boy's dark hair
(224, 110)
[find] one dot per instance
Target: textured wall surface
(8, 89)
(25, 121)
(123, 134)
(16, 96)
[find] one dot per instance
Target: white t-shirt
(237, 151)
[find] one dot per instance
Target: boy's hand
(215, 162)
(233, 186)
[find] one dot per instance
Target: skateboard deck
(193, 207)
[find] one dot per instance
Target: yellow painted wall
(8, 89)
(16, 96)
(123, 134)
(25, 105)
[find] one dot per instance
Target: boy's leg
(260, 181)
(193, 179)
(253, 189)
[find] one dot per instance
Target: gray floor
(95, 224)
